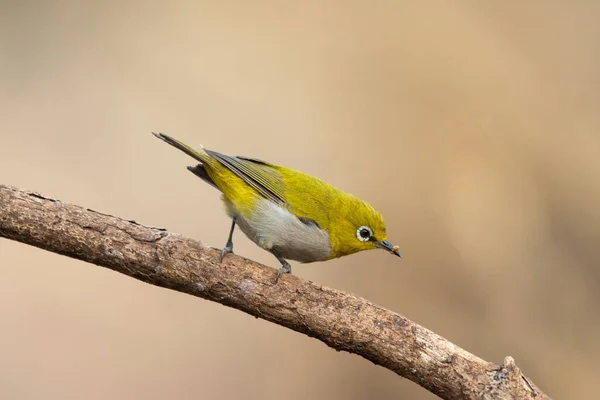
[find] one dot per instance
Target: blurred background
(472, 126)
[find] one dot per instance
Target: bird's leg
(286, 268)
(229, 245)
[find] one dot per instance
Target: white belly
(273, 227)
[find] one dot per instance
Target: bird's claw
(226, 250)
(285, 269)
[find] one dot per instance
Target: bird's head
(357, 226)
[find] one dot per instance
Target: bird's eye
(364, 233)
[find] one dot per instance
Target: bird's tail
(201, 155)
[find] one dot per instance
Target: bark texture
(341, 320)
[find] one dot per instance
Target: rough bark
(341, 320)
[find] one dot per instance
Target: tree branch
(340, 320)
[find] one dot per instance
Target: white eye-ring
(364, 233)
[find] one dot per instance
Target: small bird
(291, 214)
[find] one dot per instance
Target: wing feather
(258, 174)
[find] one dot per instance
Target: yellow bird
(291, 214)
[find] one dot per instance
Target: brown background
(473, 127)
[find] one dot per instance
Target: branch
(338, 319)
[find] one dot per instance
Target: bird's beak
(384, 244)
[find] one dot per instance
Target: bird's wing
(259, 174)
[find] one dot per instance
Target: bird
(293, 215)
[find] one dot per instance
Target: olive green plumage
(287, 212)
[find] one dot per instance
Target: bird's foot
(226, 250)
(286, 268)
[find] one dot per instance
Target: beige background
(473, 127)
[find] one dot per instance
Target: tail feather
(201, 173)
(201, 156)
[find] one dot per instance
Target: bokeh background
(472, 126)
